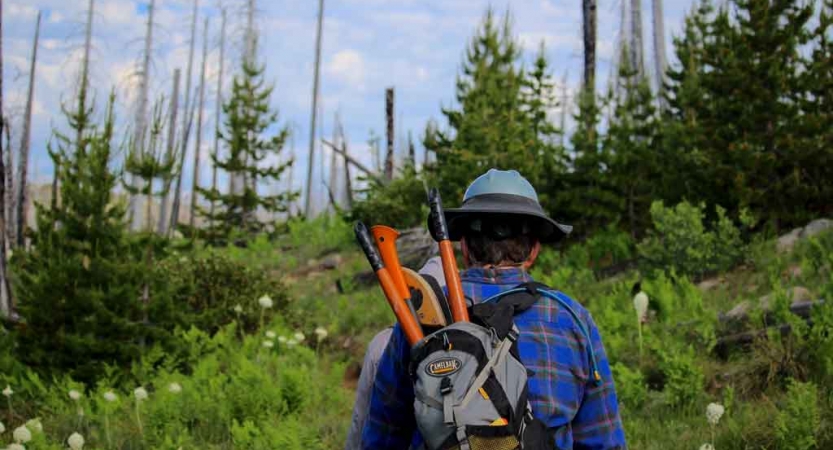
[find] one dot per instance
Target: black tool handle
(436, 217)
(366, 242)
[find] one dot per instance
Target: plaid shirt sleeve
(597, 424)
(390, 421)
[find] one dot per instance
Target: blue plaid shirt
(581, 413)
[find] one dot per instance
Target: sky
(415, 46)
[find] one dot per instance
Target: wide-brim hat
(504, 194)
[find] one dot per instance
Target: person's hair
(484, 250)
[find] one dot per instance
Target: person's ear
(465, 250)
(533, 255)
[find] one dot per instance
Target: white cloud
(348, 66)
(21, 12)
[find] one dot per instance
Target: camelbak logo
(442, 367)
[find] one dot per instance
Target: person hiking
(501, 227)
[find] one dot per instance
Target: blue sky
(414, 45)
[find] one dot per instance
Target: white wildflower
(299, 337)
(22, 434)
(110, 396)
(75, 395)
(270, 334)
(76, 441)
(174, 388)
(321, 332)
(2, 428)
(35, 425)
(707, 447)
(640, 304)
(15, 447)
(268, 344)
(178, 234)
(282, 339)
(238, 309)
(8, 391)
(140, 393)
(291, 343)
(265, 302)
(713, 413)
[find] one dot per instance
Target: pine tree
(78, 287)
(495, 122)
(630, 142)
(248, 116)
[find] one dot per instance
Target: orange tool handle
(408, 321)
(439, 231)
(386, 242)
(413, 332)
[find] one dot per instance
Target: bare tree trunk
(389, 101)
(218, 110)
(186, 120)
(563, 115)
(5, 292)
(637, 45)
(411, 149)
(290, 180)
(161, 226)
(196, 179)
(25, 142)
(589, 28)
(331, 184)
(85, 68)
(10, 187)
(314, 113)
(140, 129)
(660, 62)
(348, 184)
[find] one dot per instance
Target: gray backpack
(469, 382)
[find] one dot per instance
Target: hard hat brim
(544, 228)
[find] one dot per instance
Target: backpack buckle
(445, 386)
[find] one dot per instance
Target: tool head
(428, 299)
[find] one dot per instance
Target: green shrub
(631, 388)
(208, 288)
(684, 379)
(799, 419)
(681, 242)
(402, 203)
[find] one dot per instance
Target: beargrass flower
(268, 344)
(35, 425)
(76, 441)
(140, 393)
(640, 304)
(8, 391)
(22, 434)
(707, 447)
(238, 309)
(110, 396)
(74, 395)
(282, 339)
(321, 333)
(714, 412)
(15, 447)
(270, 334)
(291, 343)
(265, 302)
(174, 388)
(299, 336)
(2, 428)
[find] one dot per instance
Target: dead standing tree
(218, 108)
(314, 113)
(389, 108)
(20, 214)
(170, 153)
(186, 121)
(589, 30)
(5, 292)
(196, 175)
(660, 62)
(637, 47)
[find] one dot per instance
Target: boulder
(787, 242)
(709, 284)
(815, 227)
(795, 294)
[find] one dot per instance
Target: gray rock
(815, 227)
(739, 311)
(794, 294)
(709, 284)
(787, 242)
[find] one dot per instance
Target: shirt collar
(496, 275)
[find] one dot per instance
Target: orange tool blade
(386, 242)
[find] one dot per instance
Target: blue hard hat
(503, 194)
